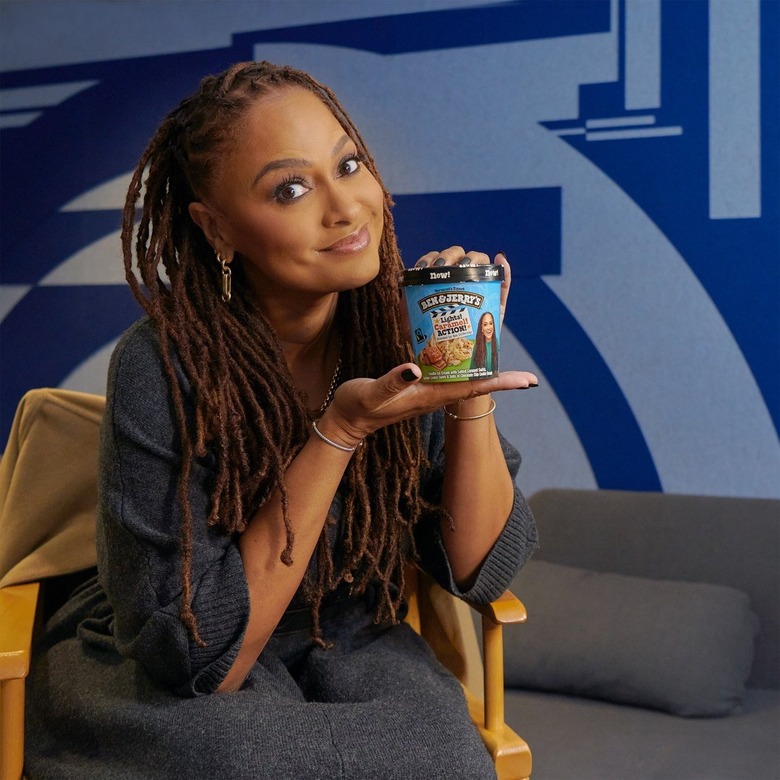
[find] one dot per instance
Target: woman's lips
(354, 242)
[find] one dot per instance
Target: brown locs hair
(246, 410)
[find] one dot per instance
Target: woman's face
(488, 327)
(295, 201)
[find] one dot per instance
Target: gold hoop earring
(227, 279)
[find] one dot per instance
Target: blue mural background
(624, 153)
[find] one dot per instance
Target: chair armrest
(430, 616)
(510, 753)
(505, 609)
(17, 617)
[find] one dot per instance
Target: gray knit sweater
(138, 534)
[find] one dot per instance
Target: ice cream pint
(454, 320)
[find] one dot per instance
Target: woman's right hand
(362, 406)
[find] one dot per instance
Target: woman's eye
(349, 166)
(291, 190)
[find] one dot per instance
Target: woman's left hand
(455, 255)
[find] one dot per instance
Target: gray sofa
(652, 647)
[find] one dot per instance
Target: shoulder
(136, 365)
(138, 387)
(138, 360)
(139, 344)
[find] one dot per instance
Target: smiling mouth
(354, 242)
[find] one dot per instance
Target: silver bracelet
(476, 416)
(332, 443)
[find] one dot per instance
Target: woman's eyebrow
(296, 162)
(274, 165)
(340, 145)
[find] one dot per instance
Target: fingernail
(408, 375)
(421, 264)
(534, 384)
(440, 261)
(502, 252)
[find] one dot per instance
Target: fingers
(395, 381)
(361, 406)
(367, 400)
(450, 256)
(507, 380)
(400, 392)
(454, 255)
(476, 258)
(426, 260)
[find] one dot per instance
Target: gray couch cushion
(682, 647)
(583, 739)
(729, 541)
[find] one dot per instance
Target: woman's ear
(208, 221)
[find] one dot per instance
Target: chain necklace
(334, 383)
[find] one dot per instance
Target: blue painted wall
(624, 153)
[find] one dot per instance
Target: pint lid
(453, 273)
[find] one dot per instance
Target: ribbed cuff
(511, 550)
(221, 619)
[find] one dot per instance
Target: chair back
(48, 486)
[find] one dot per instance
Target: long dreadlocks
(247, 412)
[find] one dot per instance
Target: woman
(269, 464)
(485, 353)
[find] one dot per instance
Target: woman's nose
(341, 206)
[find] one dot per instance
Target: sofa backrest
(728, 541)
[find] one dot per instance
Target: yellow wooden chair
(48, 495)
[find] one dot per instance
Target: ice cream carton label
(454, 317)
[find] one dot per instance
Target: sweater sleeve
(138, 535)
(512, 549)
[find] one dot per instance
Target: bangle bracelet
(332, 443)
(476, 416)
